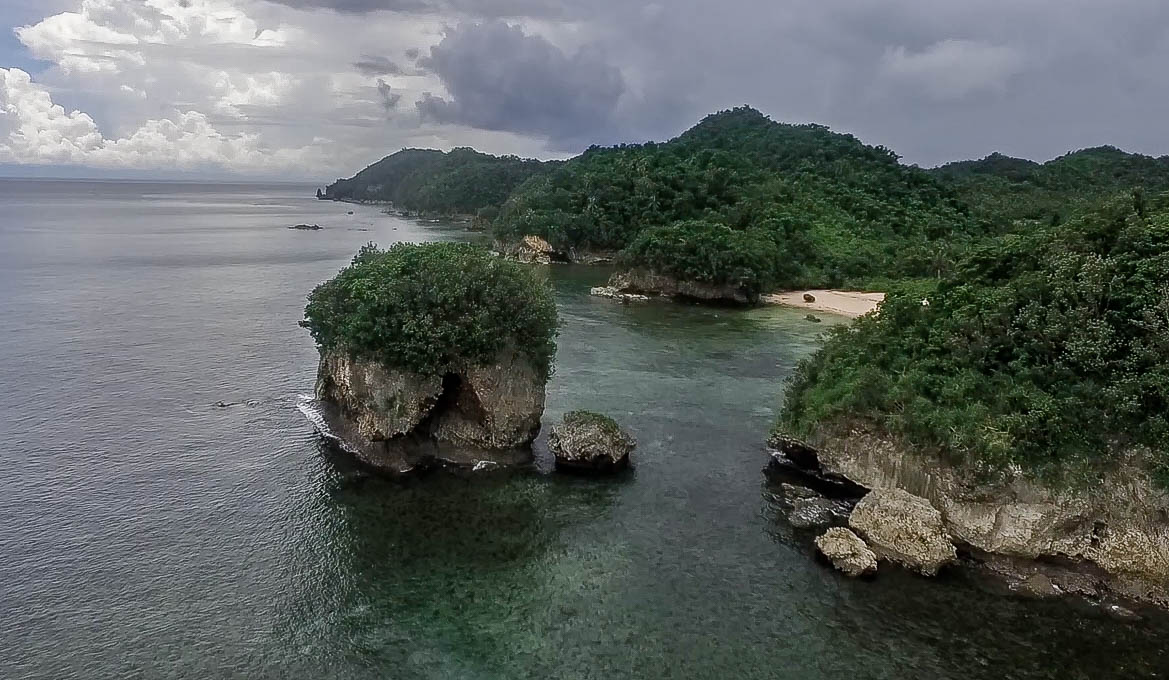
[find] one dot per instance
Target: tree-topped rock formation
(433, 352)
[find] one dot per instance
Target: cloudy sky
(316, 89)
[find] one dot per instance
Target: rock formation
(642, 282)
(590, 442)
(615, 294)
(847, 552)
(535, 250)
(1110, 538)
(903, 528)
(808, 509)
(398, 420)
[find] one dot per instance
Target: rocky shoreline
(639, 284)
(1106, 543)
(536, 250)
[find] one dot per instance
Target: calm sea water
(147, 533)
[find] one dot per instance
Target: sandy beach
(843, 302)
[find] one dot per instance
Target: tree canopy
(434, 307)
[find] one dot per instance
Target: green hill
(1015, 193)
(825, 208)
(461, 181)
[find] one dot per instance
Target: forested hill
(459, 181)
(1011, 191)
(742, 199)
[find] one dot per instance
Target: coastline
(840, 302)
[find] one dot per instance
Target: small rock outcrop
(808, 509)
(535, 250)
(904, 528)
(398, 420)
(847, 552)
(615, 294)
(306, 227)
(643, 282)
(809, 298)
(590, 442)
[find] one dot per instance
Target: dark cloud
(500, 78)
(389, 98)
(377, 66)
(413, 53)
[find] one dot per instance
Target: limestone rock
(399, 420)
(807, 509)
(904, 528)
(534, 250)
(615, 294)
(1113, 533)
(847, 552)
(590, 442)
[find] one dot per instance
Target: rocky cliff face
(399, 420)
(642, 282)
(1116, 531)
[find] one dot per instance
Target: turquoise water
(148, 533)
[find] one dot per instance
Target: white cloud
(35, 131)
(954, 69)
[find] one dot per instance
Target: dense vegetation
(833, 210)
(712, 253)
(1027, 322)
(432, 308)
(462, 181)
(1016, 194)
(1048, 350)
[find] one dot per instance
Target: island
(433, 354)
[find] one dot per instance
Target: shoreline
(846, 303)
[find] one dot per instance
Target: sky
(317, 89)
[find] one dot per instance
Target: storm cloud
(500, 78)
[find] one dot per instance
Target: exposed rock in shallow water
(642, 282)
(590, 442)
(1110, 538)
(615, 294)
(903, 528)
(399, 420)
(847, 552)
(808, 509)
